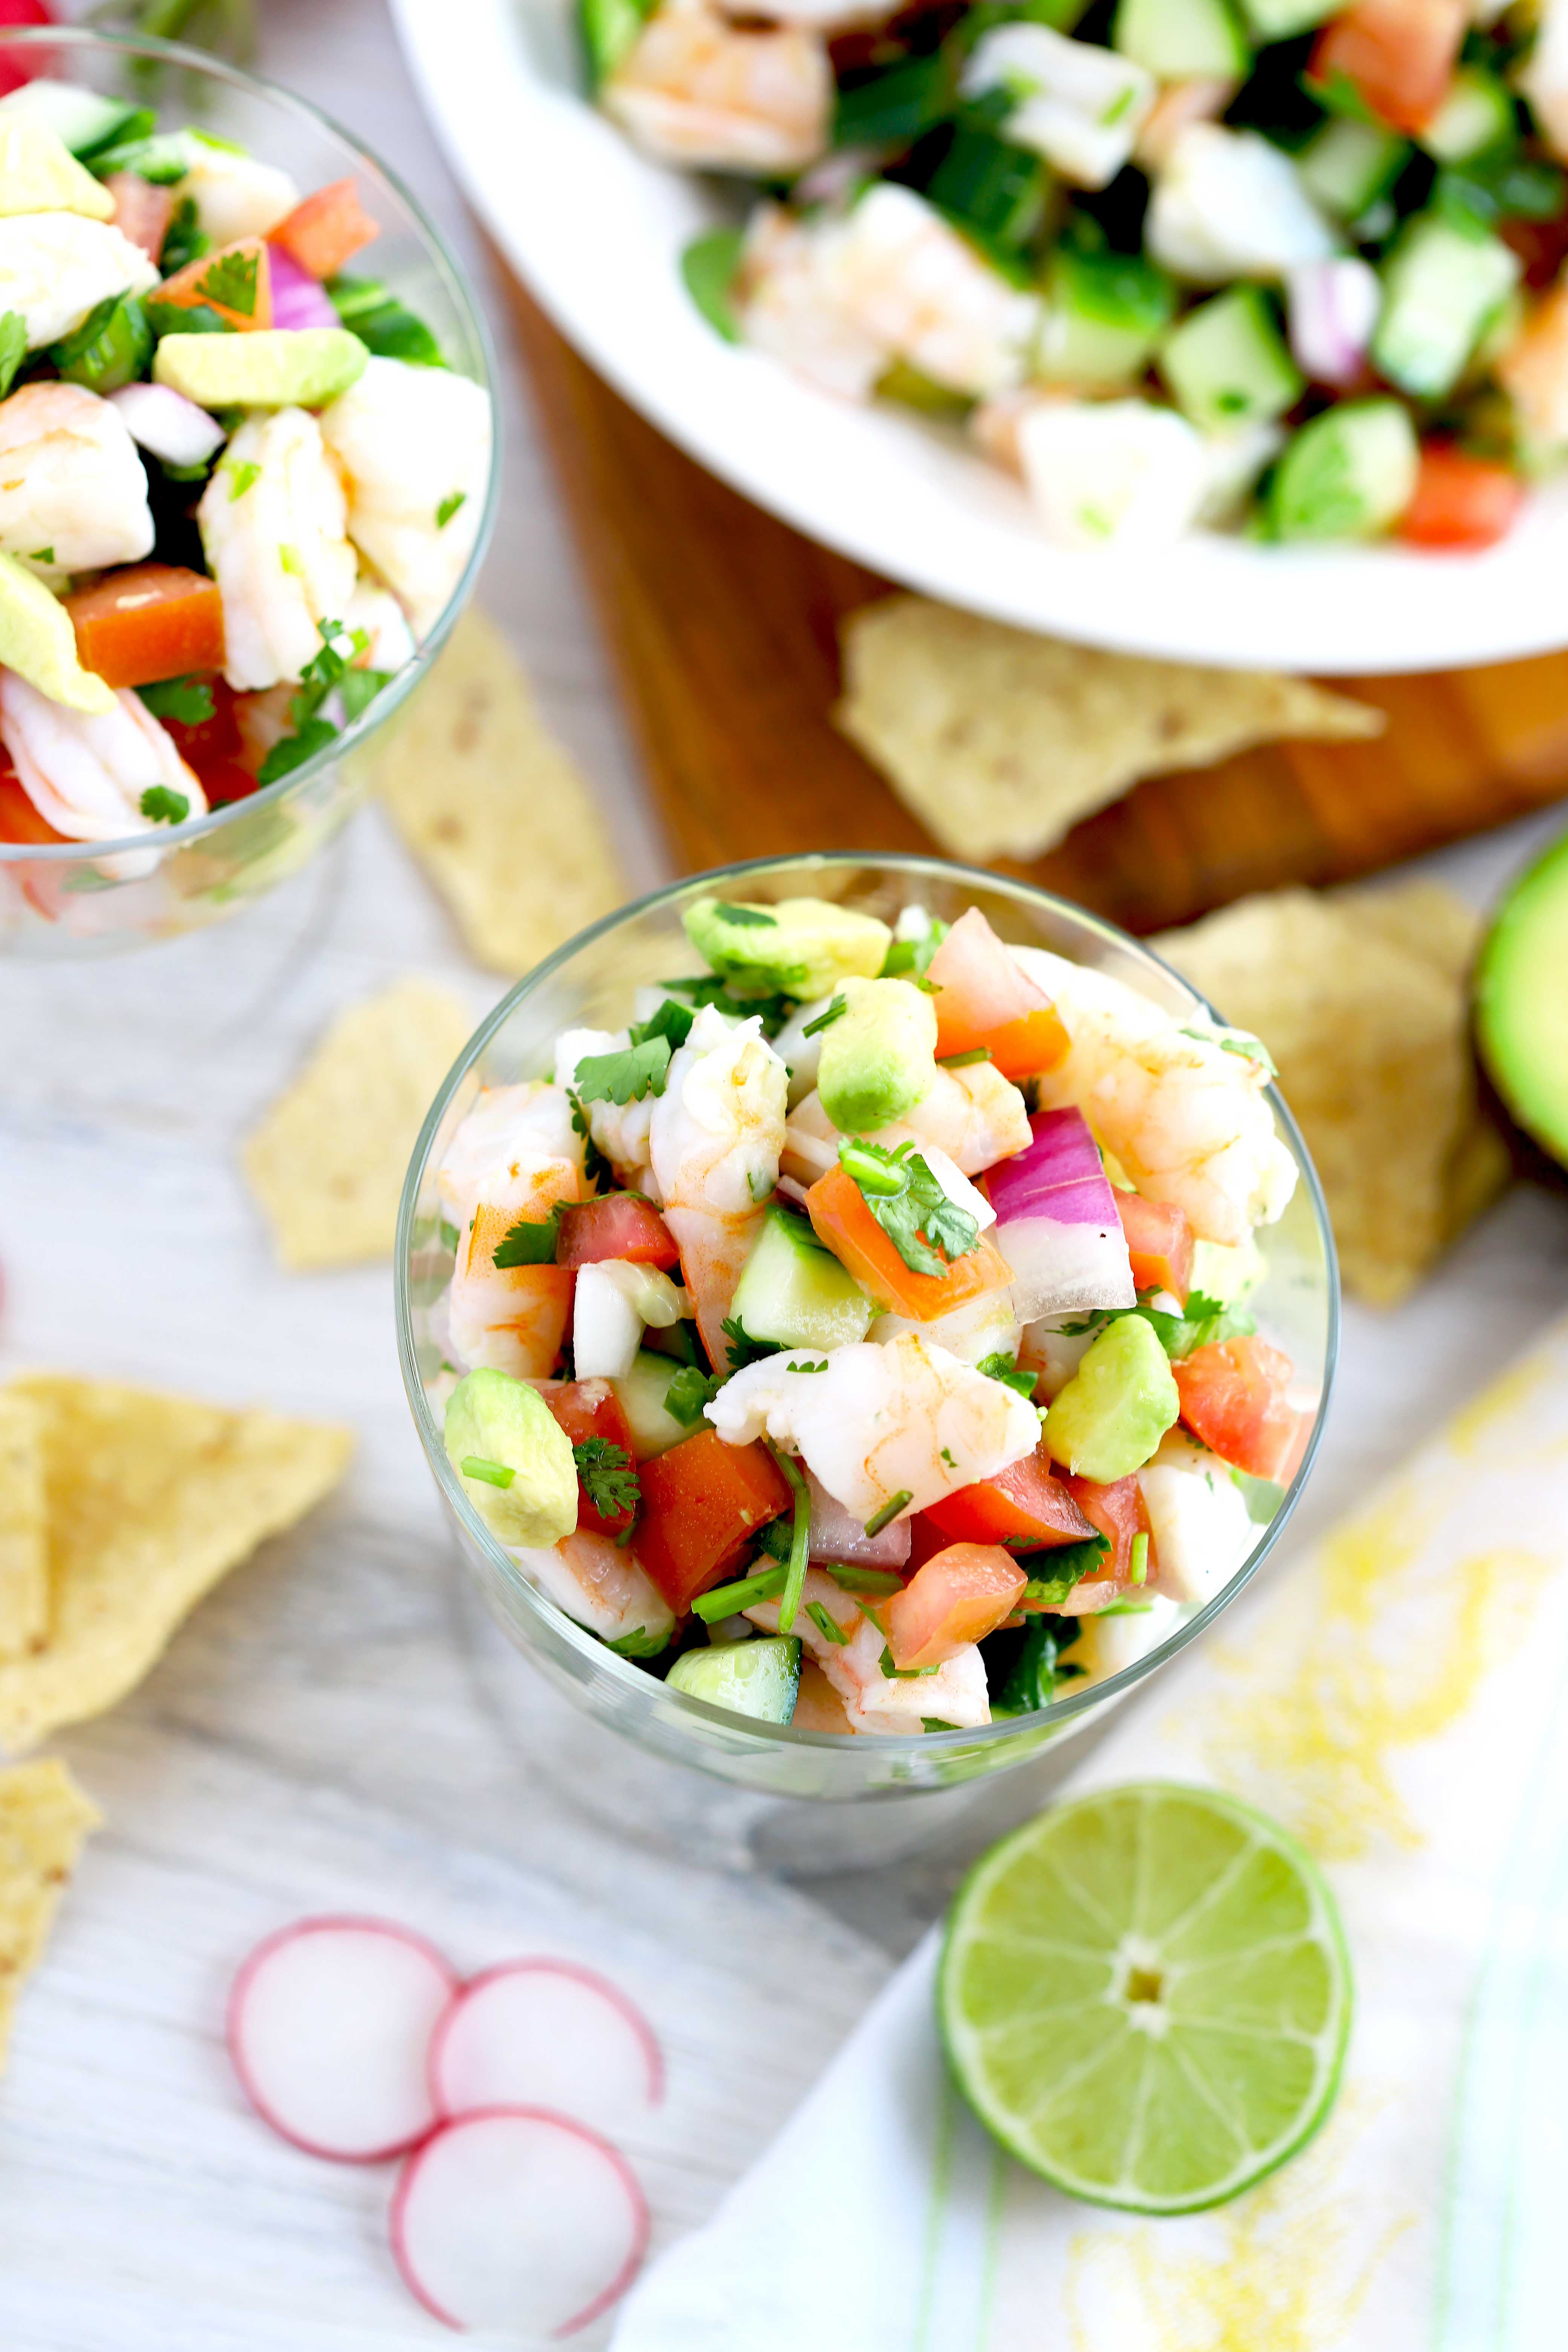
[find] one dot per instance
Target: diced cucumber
(84, 119)
(1276, 20)
(907, 384)
(895, 106)
(609, 29)
(755, 1678)
(1346, 166)
(1476, 115)
(1443, 284)
(795, 1293)
(640, 1394)
(987, 183)
(1350, 473)
(1104, 313)
(1229, 365)
(1179, 40)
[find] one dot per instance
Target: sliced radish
(542, 2033)
(329, 2027)
(513, 2217)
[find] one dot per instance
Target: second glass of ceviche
(863, 1315)
(245, 484)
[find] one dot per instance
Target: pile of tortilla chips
(328, 1162)
(1000, 741)
(494, 808)
(125, 1506)
(1362, 999)
(44, 1817)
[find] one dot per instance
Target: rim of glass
(178, 53)
(896, 1744)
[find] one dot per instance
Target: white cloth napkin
(1399, 1698)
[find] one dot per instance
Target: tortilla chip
(1362, 1000)
(44, 1817)
(328, 1162)
(494, 809)
(1000, 741)
(150, 1499)
(24, 1560)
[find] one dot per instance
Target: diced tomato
(13, 70)
(201, 281)
(985, 1000)
(1117, 1512)
(1233, 1397)
(845, 1225)
(1024, 1504)
(224, 781)
(1399, 54)
(618, 1225)
(147, 621)
(326, 230)
(587, 1409)
(141, 210)
(19, 819)
(1160, 1243)
(212, 748)
(1542, 246)
(958, 1597)
(926, 1539)
(703, 1503)
(1460, 501)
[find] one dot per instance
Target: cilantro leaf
(531, 1241)
(159, 806)
(1035, 1671)
(325, 670)
(671, 1020)
(910, 1205)
(743, 1349)
(608, 1479)
(295, 750)
(448, 507)
(1236, 1041)
(640, 1643)
(359, 688)
(1004, 1368)
(834, 1012)
(774, 1541)
(745, 918)
(708, 989)
(596, 1167)
(624, 1076)
(1202, 1323)
(230, 282)
(186, 700)
(909, 958)
(183, 240)
(689, 1391)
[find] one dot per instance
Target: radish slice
(329, 2027)
(515, 2217)
(542, 2033)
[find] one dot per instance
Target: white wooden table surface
(318, 1737)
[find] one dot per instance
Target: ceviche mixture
(1280, 263)
(236, 486)
(859, 1339)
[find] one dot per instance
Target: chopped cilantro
(728, 1600)
(690, 1391)
(448, 1235)
(775, 1540)
(640, 1645)
(320, 676)
(244, 476)
(1069, 1564)
(230, 282)
(670, 1020)
(708, 989)
(295, 750)
(1138, 1568)
(159, 806)
(1202, 1323)
(289, 557)
(624, 1076)
(42, 555)
(964, 1061)
(494, 1474)
(183, 240)
(745, 918)
(596, 1167)
(908, 958)
(448, 507)
(948, 1459)
(807, 1368)
(824, 1624)
(834, 1012)
(187, 700)
(13, 347)
(608, 1479)
(531, 1241)
(935, 1723)
(904, 1674)
(358, 688)
(1004, 1368)
(910, 1205)
(888, 1512)
(743, 1349)
(1236, 1041)
(1037, 1669)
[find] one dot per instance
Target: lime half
(1146, 1996)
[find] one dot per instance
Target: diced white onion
(606, 1329)
(167, 425)
(957, 1186)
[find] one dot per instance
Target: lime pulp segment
(1146, 1996)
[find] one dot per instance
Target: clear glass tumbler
(670, 1768)
(74, 898)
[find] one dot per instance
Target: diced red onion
(167, 425)
(296, 298)
(838, 1534)
(1056, 1224)
(1334, 308)
(792, 1191)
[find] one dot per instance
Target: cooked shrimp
(271, 520)
(504, 1122)
(1179, 103)
(620, 1130)
(694, 88)
(73, 494)
(1186, 1118)
(715, 1137)
(907, 1419)
(235, 196)
(511, 1318)
(600, 1586)
(784, 308)
(86, 772)
(874, 1701)
(377, 611)
(415, 444)
(57, 267)
(976, 1116)
(987, 1326)
(902, 274)
(828, 17)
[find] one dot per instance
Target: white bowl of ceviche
(246, 414)
(818, 1399)
(1214, 432)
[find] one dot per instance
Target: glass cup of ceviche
(248, 476)
(819, 1399)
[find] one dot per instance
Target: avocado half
(1521, 1001)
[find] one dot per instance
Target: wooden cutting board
(722, 624)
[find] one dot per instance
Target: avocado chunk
(1116, 1406)
(795, 1292)
(801, 947)
(38, 174)
(274, 367)
(755, 1678)
(878, 1058)
(513, 1457)
(1521, 1001)
(38, 642)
